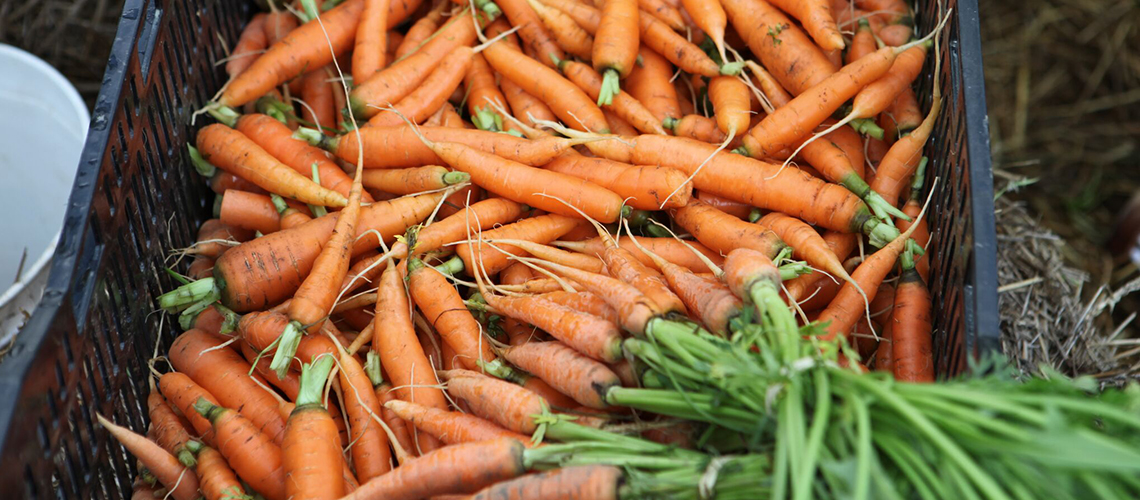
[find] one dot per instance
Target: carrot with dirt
(863, 43)
(168, 430)
(304, 47)
(499, 401)
(418, 34)
(311, 455)
(180, 481)
(276, 139)
(585, 302)
(216, 480)
(731, 101)
(565, 369)
(733, 208)
(911, 348)
(483, 96)
(265, 271)
(396, 424)
(221, 180)
(568, 102)
(663, 11)
(903, 116)
(233, 152)
(492, 259)
(817, 20)
(403, 181)
(670, 249)
(796, 62)
(249, 46)
(430, 94)
(650, 84)
(577, 482)
(400, 146)
(681, 52)
(443, 308)
(614, 52)
(182, 392)
(569, 36)
(320, 106)
(399, 79)
(621, 103)
(255, 212)
(451, 427)
(461, 468)
(806, 243)
(912, 208)
(531, 30)
(724, 233)
(699, 127)
(370, 455)
(643, 187)
(371, 47)
(901, 160)
(255, 458)
(400, 352)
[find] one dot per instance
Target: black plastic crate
(136, 197)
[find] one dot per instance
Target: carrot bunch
(443, 245)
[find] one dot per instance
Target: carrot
(904, 156)
(278, 141)
(922, 233)
(400, 147)
(672, 250)
(168, 431)
(418, 34)
(863, 43)
(699, 127)
(182, 392)
(649, 83)
(724, 233)
(311, 453)
(222, 181)
(711, 19)
(681, 52)
(730, 99)
(707, 299)
(889, 11)
(841, 245)
(733, 208)
(543, 189)
(249, 46)
(304, 47)
(525, 106)
(442, 306)
(614, 52)
(845, 310)
(200, 267)
(565, 99)
(216, 479)
(531, 30)
(181, 482)
(320, 106)
(413, 180)
(451, 427)
(255, 458)
(911, 332)
(541, 229)
(621, 264)
(567, 33)
(586, 333)
(796, 62)
(621, 103)
(752, 276)
(664, 12)
(805, 241)
(370, 455)
(430, 94)
(817, 20)
(399, 79)
(633, 307)
(482, 92)
(618, 126)
(585, 302)
(400, 352)
(580, 482)
(215, 237)
(249, 211)
(565, 369)
(396, 424)
(279, 24)
(895, 35)
(371, 46)
(642, 187)
(502, 402)
(461, 468)
(232, 151)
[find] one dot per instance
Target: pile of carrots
(446, 232)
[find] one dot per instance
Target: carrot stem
(313, 376)
(189, 294)
(287, 345)
(203, 167)
(451, 267)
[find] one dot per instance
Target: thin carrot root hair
(715, 269)
(689, 179)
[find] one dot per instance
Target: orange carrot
(911, 331)
(200, 267)
(724, 233)
(525, 106)
(752, 276)
(580, 482)
(531, 30)
(618, 126)
(451, 427)
(304, 47)
(250, 211)
(889, 11)
(400, 147)
(182, 392)
(565, 99)
(817, 20)
(222, 180)
(642, 187)
(320, 106)
(672, 250)
(278, 24)
(216, 237)
(168, 431)
(711, 19)
(216, 479)
(412, 180)
(461, 468)
(733, 208)
(903, 157)
(649, 83)
(311, 455)
(395, 423)
(501, 402)
(442, 306)
(782, 47)
(541, 229)
(615, 45)
(863, 43)
(179, 480)
(370, 455)
(233, 152)
(255, 458)
(709, 300)
(664, 12)
(570, 37)
(922, 233)
(430, 94)
(585, 302)
(805, 241)
(399, 79)
(277, 140)
(418, 34)
(483, 95)
(730, 99)
(571, 373)
(699, 127)
(371, 47)
(681, 52)
(249, 46)
(841, 245)
(400, 352)
(621, 103)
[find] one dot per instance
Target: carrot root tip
(611, 86)
(286, 348)
(187, 295)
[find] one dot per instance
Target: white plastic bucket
(43, 125)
